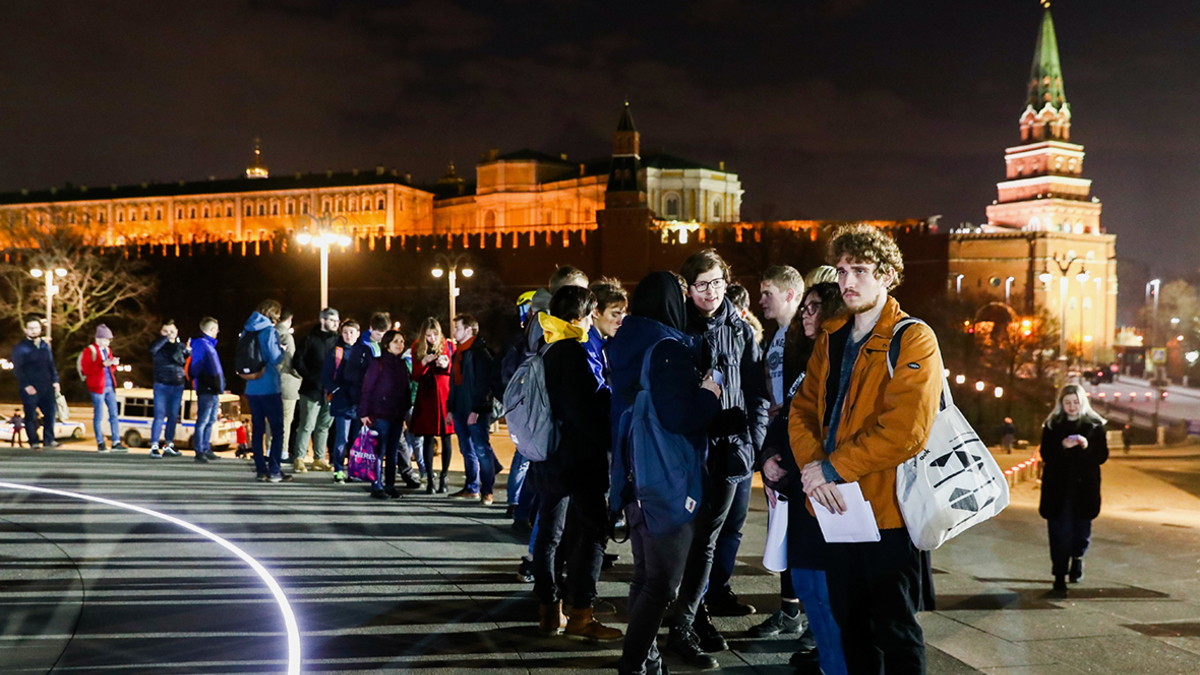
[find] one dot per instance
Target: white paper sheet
(775, 554)
(857, 524)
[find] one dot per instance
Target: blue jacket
(268, 340)
(208, 376)
(343, 381)
(683, 407)
(597, 359)
(33, 364)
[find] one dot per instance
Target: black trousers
(718, 504)
(583, 517)
(875, 591)
(1069, 538)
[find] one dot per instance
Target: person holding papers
(853, 423)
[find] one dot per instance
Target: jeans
(516, 478)
(313, 426)
(730, 539)
(43, 400)
(167, 399)
(1069, 538)
(207, 407)
(427, 448)
(874, 592)
(99, 402)
(343, 424)
(266, 409)
(416, 446)
(583, 548)
(719, 497)
(391, 434)
(658, 565)
(477, 454)
(811, 589)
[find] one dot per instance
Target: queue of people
(663, 405)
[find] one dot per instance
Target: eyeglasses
(715, 284)
(810, 309)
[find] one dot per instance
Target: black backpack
(249, 361)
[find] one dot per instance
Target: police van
(135, 412)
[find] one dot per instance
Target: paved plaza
(428, 584)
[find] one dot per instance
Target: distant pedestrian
(289, 382)
(17, 423)
(312, 408)
(431, 354)
(37, 379)
(264, 391)
(382, 408)
(208, 379)
(170, 355)
(342, 403)
(1074, 445)
(99, 368)
(1127, 437)
(470, 408)
(1008, 434)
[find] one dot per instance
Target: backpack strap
(898, 332)
(644, 380)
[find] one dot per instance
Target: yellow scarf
(556, 329)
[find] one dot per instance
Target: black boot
(1076, 572)
(709, 637)
(1060, 586)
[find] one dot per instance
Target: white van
(135, 412)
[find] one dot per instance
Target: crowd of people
(664, 403)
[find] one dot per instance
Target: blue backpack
(662, 467)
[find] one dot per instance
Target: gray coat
(289, 379)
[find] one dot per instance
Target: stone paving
(428, 584)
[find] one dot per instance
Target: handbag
(63, 412)
(363, 465)
(954, 483)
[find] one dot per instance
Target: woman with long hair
(431, 354)
(1073, 448)
(384, 403)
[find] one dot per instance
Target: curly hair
(863, 243)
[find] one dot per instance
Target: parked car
(136, 414)
(62, 430)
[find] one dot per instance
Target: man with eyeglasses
(729, 351)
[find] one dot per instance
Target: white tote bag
(954, 483)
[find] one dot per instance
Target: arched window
(275, 209)
(1072, 304)
(206, 212)
(262, 209)
(304, 208)
(291, 209)
(192, 212)
(672, 207)
(132, 215)
(249, 210)
(100, 217)
(120, 216)
(489, 220)
(716, 210)
(146, 214)
(382, 203)
(1087, 303)
(158, 214)
(228, 211)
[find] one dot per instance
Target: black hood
(660, 298)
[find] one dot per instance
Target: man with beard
(852, 422)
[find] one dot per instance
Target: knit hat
(103, 332)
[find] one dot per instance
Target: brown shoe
(321, 465)
(582, 626)
(552, 619)
(486, 500)
(298, 467)
(464, 494)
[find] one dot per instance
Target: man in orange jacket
(852, 422)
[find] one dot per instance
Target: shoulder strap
(644, 380)
(898, 331)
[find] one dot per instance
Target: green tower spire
(1045, 78)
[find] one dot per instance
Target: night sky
(835, 109)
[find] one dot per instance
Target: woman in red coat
(431, 354)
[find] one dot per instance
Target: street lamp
(444, 264)
(1082, 278)
(51, 289)
(958, 286)
(1100, 317)
(1008, 290)
(324, 233)
(1064, 266)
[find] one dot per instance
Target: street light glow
(343, 240)
(467, 271)
(1045, 277)
(979, 385)
(304, 238)
(437, 272)
(960, 378)
(60, 271)
(37, 274)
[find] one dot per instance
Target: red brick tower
(624, 222)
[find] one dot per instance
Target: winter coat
(309, 359)
(289, 379)
(580, 409)
(343, 395)
(471, 394)
(884, 421)
(268, 342)
(1071, 476)
(169, 360)
(728, 345)
(91, 364)
(385, 389)
(433, 396)
(207, 374)
(355, 363)
(33, 364)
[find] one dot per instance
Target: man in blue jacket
(37, 378)
(209, 379)
(265, 394)
(471, 410)
(169, 354)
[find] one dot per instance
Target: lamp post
(324, 234)
(1064, 266)
(1156, 284)
(958, 286)
(1082, 278)
(1008, 290)
(51, 289)
(444, 264)
(1100, 317)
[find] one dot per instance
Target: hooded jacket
(169, 358)
(884, 420)
(310, 359)
(580, 410)
(355, 363)
(289, 379)
(207, 373)
(657, 319)
(268, 340)
(728, 345)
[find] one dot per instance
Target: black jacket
(472, 395)
(581, 409)
(33, 364)
(169, 359)
(727, 345)
(1071, 476)
(310, 359)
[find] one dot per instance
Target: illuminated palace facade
(1043, 245)
(514, 199)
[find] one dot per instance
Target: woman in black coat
(1073, 448)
